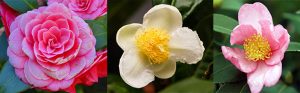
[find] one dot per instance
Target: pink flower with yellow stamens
(263, 46)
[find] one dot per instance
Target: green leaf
(99, 27)
(294, 46)
(22, 5)
(9, 82)
(190, 85)
(280, 87)
(232, 4)
(223, 24)
(225, 71)
(3, 48)
(186, 7)
(238, 87)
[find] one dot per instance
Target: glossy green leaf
(186, 7)
(237, 87)
(9, 82)
(99, 27)
(223, 24)
(190, 85)
(22, 5)
(225, 71)
(294, 46)
(280, 87)
(3, 47)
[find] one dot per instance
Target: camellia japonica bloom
(153, 48)
(86, 9)
(263, 46)
(50, 47)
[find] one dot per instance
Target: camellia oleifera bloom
(263, 46)
(153, 48)
(86, 9)
(50, 47)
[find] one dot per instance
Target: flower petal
(240, 33)
(252, 13)
(284, 38)
(164, 70)
(133, 70)
(237, 58)
(268, 33)
(16, 60)
(263, 75)
(126, 34)
(187, 52)
(32, 80)
(163, 16)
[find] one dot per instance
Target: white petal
(186, 46)
(126, 34)
(164, 70)
(133, 69)
(163, 16)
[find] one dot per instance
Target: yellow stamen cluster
(153, 42)
(257, 48)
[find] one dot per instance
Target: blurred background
(226, 77)
(197, 15)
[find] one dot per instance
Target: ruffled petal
(126, 34)
(133, 70)
(253, 13)
(187, 52)
(237, 58)
(240, 33)
(263, 75)
(163, 16)
(284, 39)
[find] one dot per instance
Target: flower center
(257, 48)
(153, 42)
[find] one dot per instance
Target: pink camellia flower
(263, 46)
(50, 47)
(86, 9)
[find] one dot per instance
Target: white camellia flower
(153, 48)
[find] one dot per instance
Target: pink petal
(16, 60)
(268, 33)
(37, 71)
(77, 65)
(284, 39)
(61, 73)
(27, 48)
(63, 23)
(15, 42)
(59, 9)
(87, 41)
(240, 33)
(48, 24)
(237, 58)
(34, 32)
(32, 80)
(252, 13)
(55, 17)
(263, 75)
(29, 16)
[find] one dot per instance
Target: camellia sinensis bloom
(153, 48)
(263, 46)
